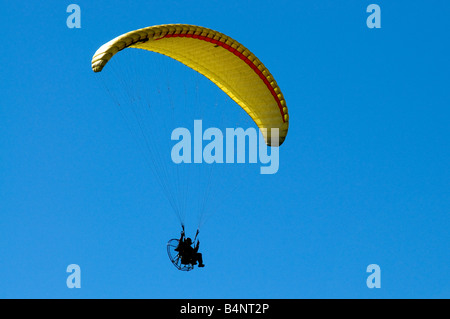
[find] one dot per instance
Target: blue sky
(363, 179)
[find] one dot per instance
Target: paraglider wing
(226, 62)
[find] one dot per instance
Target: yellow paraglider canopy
(226, 62)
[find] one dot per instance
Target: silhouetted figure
(189, 254)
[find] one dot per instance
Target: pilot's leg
(200, 260)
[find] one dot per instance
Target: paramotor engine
(175, 257)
